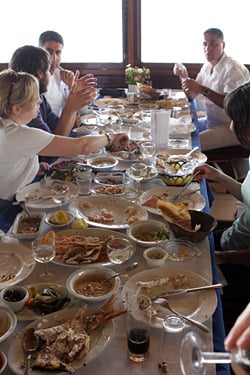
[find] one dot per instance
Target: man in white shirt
(61, 80)
(218, 76)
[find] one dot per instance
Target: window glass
(172, 31)
(92, 30)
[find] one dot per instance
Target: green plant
(134, 75)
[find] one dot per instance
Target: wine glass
(148, 151)
(138, 172)
(119, 250)
(60, 192)
(44, 253)
(194, 358)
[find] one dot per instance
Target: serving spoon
(127, 269)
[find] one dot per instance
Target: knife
(176, 292)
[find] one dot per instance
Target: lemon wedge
(79, 223)
(59, 217)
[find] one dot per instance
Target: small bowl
(180, 250)
(206, 222)
(26, 228)
(148, 232)
(102, 163)
(8, 322)
(14, 297)
(84, 130)
(3, 362)
(67, 214)
(91, 275)
(155, 256)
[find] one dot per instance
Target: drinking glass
(138, 171)
(119, 250)
(60, 192)
(194, 359)
(44, 253)
(138, 327)
(148, 151)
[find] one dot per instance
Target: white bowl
(14, 297)
(102, 163)
(92, 274)
(148, 232)
(25, 228)
(69, 214)
(8, 321)
(155, 256)
(3, 362)
(181, 250)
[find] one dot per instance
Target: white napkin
(160, 128)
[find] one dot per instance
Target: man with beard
(217, 77)
(61, 80)
(36, 61)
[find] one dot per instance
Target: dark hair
(49, 35)
(215, 31)
(30, 59)
(237, 107)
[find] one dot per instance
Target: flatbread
(176, 213)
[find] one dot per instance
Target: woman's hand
(206, 171)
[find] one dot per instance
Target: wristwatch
(108, 138)
(206, 91)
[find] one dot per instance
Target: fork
(164, 302)
(176, 196)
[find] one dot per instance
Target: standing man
(218, 76)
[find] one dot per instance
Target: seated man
(61, 80)
(220, 75)
(36, 61)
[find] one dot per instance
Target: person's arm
(214, 174)
(239, 336)
(192, 88)
(62, 146)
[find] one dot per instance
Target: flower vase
(133, 88)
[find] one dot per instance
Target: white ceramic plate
(30, 314)
(93, 206)
(102, 163)
(197, 155)
(194, 201)
(8, 322)
(35, 196)
(17, 259)
(99, 339)
(197, 305)
(101, 233)
(182, 129)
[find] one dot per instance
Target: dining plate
(100, 233)
(197, 156)
(109, 212)
(16, 264)
(37, 197)
(198, 305)
(194, 201)
(31, 314)
(182, 129)
(99, 340)
(8, 322)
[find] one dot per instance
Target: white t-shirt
(19, 146)
(226, 76)
(57, 92)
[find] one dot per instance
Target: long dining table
(113, 359)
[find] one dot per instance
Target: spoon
(129, 268)
(189, 153)
(23, 205)
(30, 344)
(164, 302)
(176, 196)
